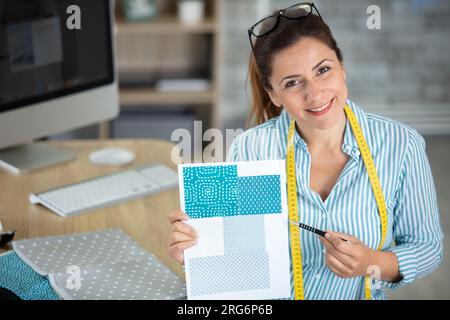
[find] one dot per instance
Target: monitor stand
(29, 157)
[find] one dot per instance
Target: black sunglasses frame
(279, 15)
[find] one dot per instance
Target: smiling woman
(297, 75)
(364, 178)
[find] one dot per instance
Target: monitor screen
(47, 51)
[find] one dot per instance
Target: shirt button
(324, 216)
(318, 276)
(324, 251)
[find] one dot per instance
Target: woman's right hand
(182, 236)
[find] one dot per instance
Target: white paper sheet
(243, 252)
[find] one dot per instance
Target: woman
(297, 73)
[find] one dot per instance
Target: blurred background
(186, 60)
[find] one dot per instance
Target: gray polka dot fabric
(105, 264)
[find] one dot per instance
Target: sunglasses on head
(268, 24)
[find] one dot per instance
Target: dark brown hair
(285, 34)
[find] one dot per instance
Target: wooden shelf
(168, 24)
(137, 97)
(196, 47)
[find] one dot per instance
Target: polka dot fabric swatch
(230, 273)
(259, 194)
(108, 265)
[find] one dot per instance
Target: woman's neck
(319, 140)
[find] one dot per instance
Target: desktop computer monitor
(57, 73)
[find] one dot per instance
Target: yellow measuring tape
(293, 204)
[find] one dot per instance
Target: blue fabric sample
(259, 194)
(20, 278)
(210, 191)
(244, 234)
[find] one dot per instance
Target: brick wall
(401, 71)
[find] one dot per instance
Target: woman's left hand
(347, 259)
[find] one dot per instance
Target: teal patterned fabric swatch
(210, 191)
(259, 194)
(20, 278)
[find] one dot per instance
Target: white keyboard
(107, 190)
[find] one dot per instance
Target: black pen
(314, 230)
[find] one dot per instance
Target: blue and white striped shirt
(407, 184)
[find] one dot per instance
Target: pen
(314, 230)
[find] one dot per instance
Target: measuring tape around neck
(293, 201)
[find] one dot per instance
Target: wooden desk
(144, 220)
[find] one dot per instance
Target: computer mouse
(111, 156)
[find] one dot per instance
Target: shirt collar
(349, 146)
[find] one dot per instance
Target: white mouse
(111, 156)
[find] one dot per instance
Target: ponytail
(262, 107)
